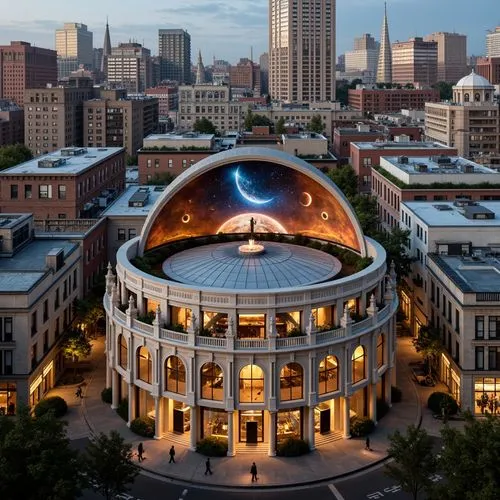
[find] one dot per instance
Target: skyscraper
(74, 48)
(129, 67)
(414, 61)
(302, 50)
(493, 43)
(384, 67)
(364, 57)
(452, 56)
(174, 48)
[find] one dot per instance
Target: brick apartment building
(489, 68)
(67, 184)
(246, 75)
(11, 123)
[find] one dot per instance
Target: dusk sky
(227, 28)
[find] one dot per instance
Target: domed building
(251, 308)
(470, 123)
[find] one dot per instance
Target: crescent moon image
(247, 190)
(263, 224)
(305, 199)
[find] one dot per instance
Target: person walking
(79, 393)
(253, 471)
(367, 443)
(208, 467)
(172, 455)
(140, 452)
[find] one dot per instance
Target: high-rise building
(264, 73)
(129, 67)
(174, 47)
(302, 50)
(74, 47)
(493, 43)
(23, 66)
(245, 75)
(489, 68)
(452, 55)
(384, 66)
(364, 57)
(414, 61)
(11, 123)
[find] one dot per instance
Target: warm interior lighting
(251, 248)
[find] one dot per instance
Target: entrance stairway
(323, 439)
(251, 449)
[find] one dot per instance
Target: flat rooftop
(422, 165)
(446, 214)
(23, 271)
(471, 275)
(191, 136)
(72, 165)
(120, 207)
(382, 146)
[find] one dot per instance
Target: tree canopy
(346, 180)
(13, 155)
(204, 126)
(316, 124)
(428, 343)
(256, 120)
(395, 243)
(163, 179)
(445, 90)
(280, 126)
(76, 345)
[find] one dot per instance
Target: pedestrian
(253, 471)
(140, 452)
(208, 467)
(172, 455)
(367, 444)
(79, 393)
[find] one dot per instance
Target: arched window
(380, 350)
(291, 382)
(477, 97)
(175, 375)
(328, 375)
(212, 382)
(122, 352)
(466, 97)
(251, 384)
(358, 364)
(144, 365)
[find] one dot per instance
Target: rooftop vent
(73, 151)
(51, 162)
(478, 212)
(403, 160)
(441, 160)
(421, 167)
(463, 202)
(443, 208)
(139, 198)
(468, 168)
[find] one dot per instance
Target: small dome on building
(474, 81)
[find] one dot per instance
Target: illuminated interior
(251, 326)
(251, 384)
(288, 425)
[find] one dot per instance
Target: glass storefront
(289, 424)
(359, 406)
(213, 423)
(8, 398)
(486, 395)
(251, 426)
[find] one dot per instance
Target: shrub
(143, 426)
(361, 426)
(396, 394)
(292, 447)
(54, 403)
(212, 446)
(107, 395)
(122, 409)
(438, 400)
(382, 409)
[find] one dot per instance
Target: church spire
(384, 67)
(200, 70)
(106, 49)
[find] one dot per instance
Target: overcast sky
(227, 28)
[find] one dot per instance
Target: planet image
(305, 199)
(324, 215)
(241, 224)
(248, 189)
(186, 218)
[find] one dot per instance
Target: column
(388, 386)
(124, 293)
(115, 390)
(109, 373)
(131, 403)
(193, 435)
(373, 402)
(158, 417)
(310, 422)
(230, 434)
(347, 418)
(272, 434)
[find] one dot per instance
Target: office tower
(74, 48)
(106, 50)
(302, 50)
(452, 55)
(245, 75)
(414, 61)
(23, 66)
(364, 57)
(129, 67)
(174, 47)
(493, 43)
(264, 73)
(384, 65)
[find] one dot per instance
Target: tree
(280, 126)
(366, 210)
(204, 126)
(413, 460)
(13, 155)
(445, 90)
(316, 124)
(36, 461)
(428, 343)
(469, 460)
(163, 179)
(76, 345)
(395, 244)
(253, 120)
(346, 180)
(109, 466)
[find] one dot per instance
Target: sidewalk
(339, 458)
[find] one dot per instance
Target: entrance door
(324, 421)
(251, 432)
(178, 421)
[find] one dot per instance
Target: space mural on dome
(279, 198)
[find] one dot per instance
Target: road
(370, 485)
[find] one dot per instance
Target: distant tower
(106, 50)
(200, 70)
(384, 67)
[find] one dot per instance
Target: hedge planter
(55, 403)
(143, 426)
(361, 426)
(107, 395)
(441, 403)
(212, 447)
(292, 447)
(122, 409)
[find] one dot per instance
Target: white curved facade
(253, 366)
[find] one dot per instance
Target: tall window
(358, 364)
(28, 192)
(61, 191)
(175, 374)
(144, 365)
(328, 375)
(291, 382)
(251, 384)
(45, 191)
(480, 357)
(212, 382)
(479, 327)
(380, 350)
(493, 327)
(14, 192)
(122, 352)
(494, 358)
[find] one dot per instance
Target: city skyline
(227, 30)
